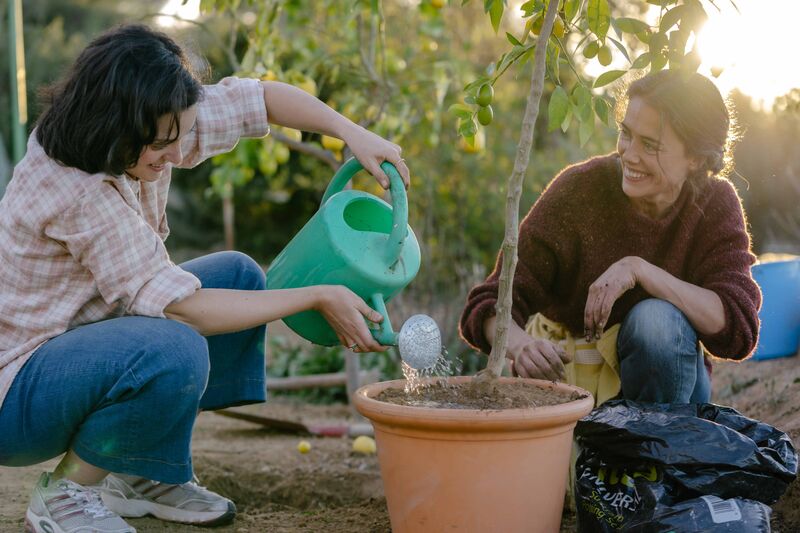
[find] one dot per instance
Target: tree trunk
(228, 217)
(509, 250)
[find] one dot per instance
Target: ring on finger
(354, 346)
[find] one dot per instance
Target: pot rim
(478, 420)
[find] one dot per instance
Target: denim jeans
(660, 357)
(124, 393)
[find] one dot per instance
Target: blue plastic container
(780, 311)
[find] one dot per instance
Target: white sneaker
(187, 503)
(63, 506)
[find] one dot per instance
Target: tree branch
(504, 298)
(308, 149)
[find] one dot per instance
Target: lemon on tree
(534, 24)
(478, 143)
(485, 95)
(292, 134)
(332, 143)
(559, 28)
(438, 4)
(604, 55)
(485, 115)
(591, 50)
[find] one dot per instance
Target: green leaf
(460, 110)
(553, 52)
(467, 128)
(513, 40)
(607, 77)
(642, 61)
(695, 17)
(567, 120)
(510, 58)
(571, 8)
(528, 7)
(631, 25)
(473, 86)
(598, 14)
(496, 13)
(601, 109)
(621, 48)
(671, 17)
(558, 108)
(582, 97)
(586, 130)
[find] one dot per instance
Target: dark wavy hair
(697, 112)
(105, 111)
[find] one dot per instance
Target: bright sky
(189, 10)
(756, 47)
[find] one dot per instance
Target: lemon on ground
(364, 444)
(332, 143)
(303, 446)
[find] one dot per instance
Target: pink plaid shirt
(77, 248)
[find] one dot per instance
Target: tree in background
(421, 56)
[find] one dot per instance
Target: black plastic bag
(638, 458)
(709, 514)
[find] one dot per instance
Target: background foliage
(395, 66)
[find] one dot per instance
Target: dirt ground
(332, 489)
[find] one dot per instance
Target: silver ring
(353, 346)
(401, 160)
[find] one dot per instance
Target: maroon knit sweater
(583, 222)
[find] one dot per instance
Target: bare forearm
(701, 306)
(215, 311)
(292, 107)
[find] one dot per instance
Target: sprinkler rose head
(420, 342)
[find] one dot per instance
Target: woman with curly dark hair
(108, 350)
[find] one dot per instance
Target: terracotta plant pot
(473, 470)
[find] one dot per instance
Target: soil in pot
(486, 395)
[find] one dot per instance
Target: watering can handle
(383, 334)
(399, 202)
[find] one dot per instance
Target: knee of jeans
(249, 274)
(656, 323)
(181, 355)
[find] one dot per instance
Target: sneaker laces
(90, 498)
(194, 485)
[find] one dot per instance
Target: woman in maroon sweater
(651, 237)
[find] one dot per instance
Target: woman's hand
(620, 277)
(535, 358)
(345, 312)
(371, 150)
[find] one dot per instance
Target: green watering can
(357, 240)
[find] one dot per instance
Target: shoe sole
(128, 508)
(40, 524)
(45, 525)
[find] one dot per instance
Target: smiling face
(165, 150)
(654, 160)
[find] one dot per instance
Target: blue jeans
(124, 393)
(660, 357)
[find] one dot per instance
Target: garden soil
(335, 490)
